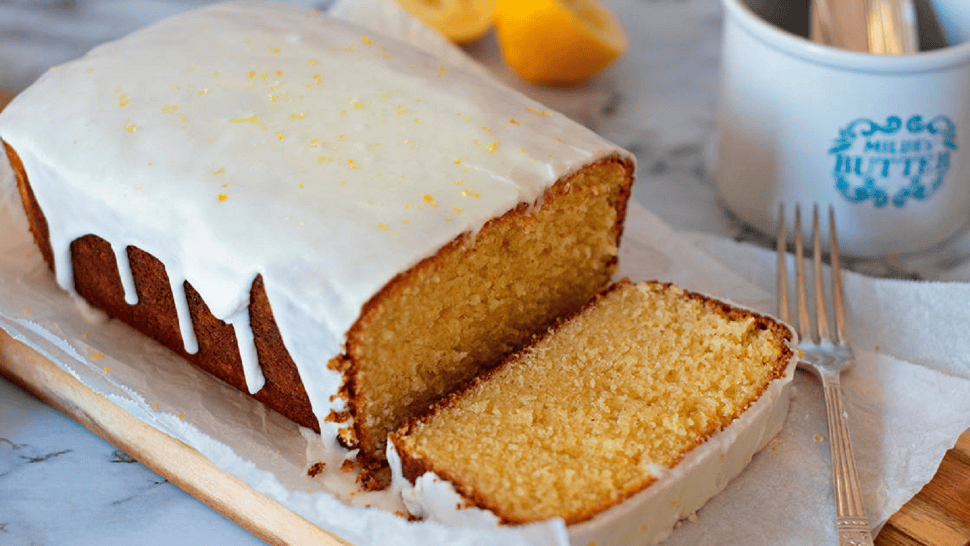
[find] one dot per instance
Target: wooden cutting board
(938, 515)
(170, 458)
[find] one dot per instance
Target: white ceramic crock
(885, 140)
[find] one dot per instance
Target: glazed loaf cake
(632, 413)
(342, 226)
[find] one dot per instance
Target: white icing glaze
(261, 139)
(189, 342)
(124, 271)
(247, 350)
(649, 516)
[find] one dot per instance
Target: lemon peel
(558, 42)
(461, 21)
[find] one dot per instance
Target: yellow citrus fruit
(558, 42)
(461, 21)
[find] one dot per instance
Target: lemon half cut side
(558, 42)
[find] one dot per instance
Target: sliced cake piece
(629, 415)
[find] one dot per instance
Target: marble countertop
(60, 484)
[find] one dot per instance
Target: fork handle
(851, 520)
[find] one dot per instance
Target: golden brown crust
(96, 279)
(761, 322)
(37, 222)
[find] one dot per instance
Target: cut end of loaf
(462, 311)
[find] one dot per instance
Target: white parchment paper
(907, 397)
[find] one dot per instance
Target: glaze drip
(189, 341)
(247, 350)
(124, 271)
(63, 268)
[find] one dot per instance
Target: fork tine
(804, 326)
(827, 361)
(782, 269)
(821, 316)
(838, 297)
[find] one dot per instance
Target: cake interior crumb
(592, 414)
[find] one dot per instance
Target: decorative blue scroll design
(848, 135)
(858, 194)
(939, 125)
(862, 169)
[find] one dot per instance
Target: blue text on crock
(892, 162)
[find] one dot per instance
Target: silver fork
(826, 356)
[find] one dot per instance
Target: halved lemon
(558, 42)
(461, 21)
